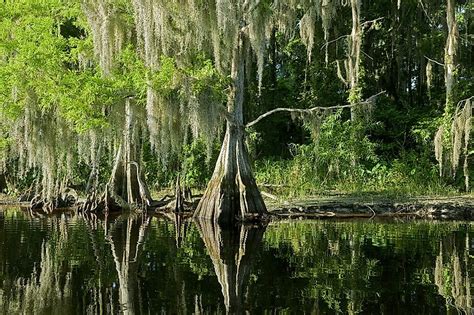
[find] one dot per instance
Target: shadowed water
(147, 265)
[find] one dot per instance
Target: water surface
(66, 264)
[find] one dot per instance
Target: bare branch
(366, 23)
(334, 40)
(436, 62)
(368, 56)
(312, 109)
(464, 101)
(426, 13)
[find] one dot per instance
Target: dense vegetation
(115, 96)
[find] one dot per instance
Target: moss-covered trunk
(354, 59)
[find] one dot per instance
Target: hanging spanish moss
(308, 30)
(452, 146)
(173, 104)
(44, 147)
(328, 12)
(325, 10)
(439, 149)
(109, 31)
(454, 136)
(429, 75)
(260, 30)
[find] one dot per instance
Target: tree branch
(332, 41)
(437, 62)
(310, 110)
(366, 23)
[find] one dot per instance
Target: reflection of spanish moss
(231, 251)
(452, 277)
(48, 289)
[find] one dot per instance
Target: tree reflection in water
(126, 238)
(452, 275)
(48, 289)
(147, 265)
(231, 250)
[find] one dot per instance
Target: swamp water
(135, 265)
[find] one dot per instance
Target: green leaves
(167, 78)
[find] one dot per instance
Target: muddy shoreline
(347, 207)
(450, 208)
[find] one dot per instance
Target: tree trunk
(126, 185)
(3, 183)
(354, 58)
(450, 54)
(232, 194)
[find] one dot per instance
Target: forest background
(69, 70)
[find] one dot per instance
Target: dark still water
(135, 265)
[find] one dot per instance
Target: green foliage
(197, 166)
(165, 78)
(50, 67)
(341, 160)
(130, 76)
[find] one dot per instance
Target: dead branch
(434, 61)
(313, 109)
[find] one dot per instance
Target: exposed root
(65, 200)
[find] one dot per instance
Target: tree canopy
(166, 82)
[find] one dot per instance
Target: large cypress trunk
(126, 185)
(232, 194)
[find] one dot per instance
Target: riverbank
(459, 207)
(342, 205)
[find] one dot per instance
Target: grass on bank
(292, 179)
